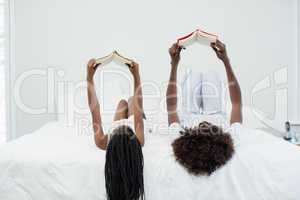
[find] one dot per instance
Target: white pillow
(191, 92)
(202, 92)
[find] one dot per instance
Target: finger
(218, 42)
(216, 49)
(131, 65)
(174, 47)
(178, 49)
(96, 65)
(91, 62)
(128, 65)
(213, 45)
(182, 47)
(136, 65)
(133, 62)
(220, 48)
(222, 45)
(171, 50)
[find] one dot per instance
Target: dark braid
(124, 166)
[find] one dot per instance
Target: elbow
(142, 143)
(141, 140)
(172, 109)
(101, 143)
(101, 146)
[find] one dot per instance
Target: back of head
(203, 149)
(124, 166)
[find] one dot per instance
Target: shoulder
(102, 141)
(236, 126)
(175, 128)
(236, 130)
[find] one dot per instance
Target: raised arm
(138, 110)
(99, 137)
(171, 95)
(234, 87)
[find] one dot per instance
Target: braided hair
(124, 166)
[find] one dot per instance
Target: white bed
(55, 163)
(60, 161)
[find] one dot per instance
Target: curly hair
(124, 166)
(203, 149)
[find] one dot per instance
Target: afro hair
(203, 149)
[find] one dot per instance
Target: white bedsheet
(53, 163)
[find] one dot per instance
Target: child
(124, 158)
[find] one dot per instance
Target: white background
(2, 72)
(261, 37)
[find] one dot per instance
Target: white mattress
(54, 163)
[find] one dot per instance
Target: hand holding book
(220, 50)
(134, 69)
(174, 52)
(91, 69)
(114, 56)
(93, 64)
(198, 36)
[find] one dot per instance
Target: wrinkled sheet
(54, 163)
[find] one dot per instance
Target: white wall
(260, 35)
(298, 58)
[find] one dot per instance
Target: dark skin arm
(137, 103)
(99, 136)
(171, 95)
(234, 87)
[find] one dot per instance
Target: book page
(121, 60)
(205, 39)
(105, 60)
(114, 56)
(188, 41)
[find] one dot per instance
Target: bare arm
(99, 137)
(234, 87)
(171, 95)
(138, 110)
(235, 95)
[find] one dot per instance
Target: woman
(204, 148)
(124, 157)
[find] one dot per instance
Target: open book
(114, 56)
(199, 36)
